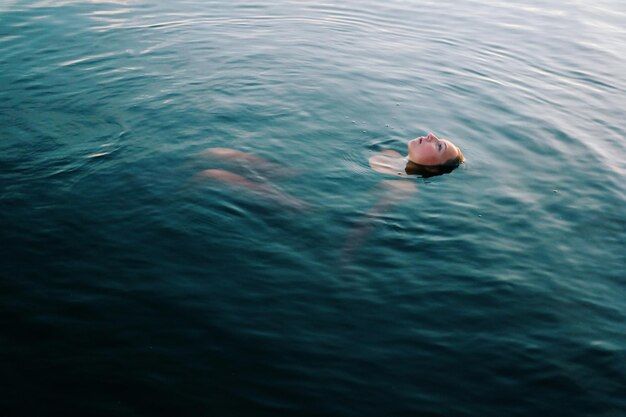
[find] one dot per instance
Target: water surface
(131, 286)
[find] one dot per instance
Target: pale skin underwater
(426, 157)
(260, 186)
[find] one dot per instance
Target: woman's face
(430, 150)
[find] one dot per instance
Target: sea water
(133, 284)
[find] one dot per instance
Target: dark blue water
(132, 285)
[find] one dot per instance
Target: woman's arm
(391, 193)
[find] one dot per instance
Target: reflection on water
(190, 224)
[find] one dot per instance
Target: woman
(428, 156)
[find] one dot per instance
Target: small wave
(356, 161)
(107, 148)
(98, 155)
(326, 18)
(87, 59)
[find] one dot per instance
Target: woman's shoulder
(388, 162)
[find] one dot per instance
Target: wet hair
(427, 171)
(457, 160)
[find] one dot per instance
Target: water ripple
(123, 262)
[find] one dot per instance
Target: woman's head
(430, 151)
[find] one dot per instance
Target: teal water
(133, 286)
